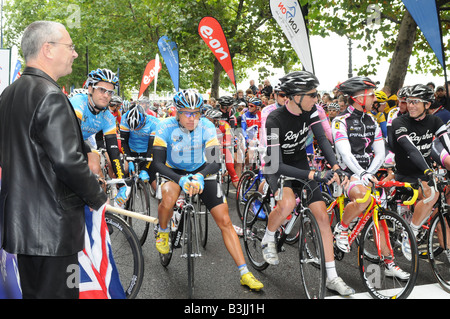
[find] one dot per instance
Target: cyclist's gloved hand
(185, 182)
(200, 179)
(366, 178)
(122, 196)
(131, 168)
(143, 175)
(323, 176)
(430, 176)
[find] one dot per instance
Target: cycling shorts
(209, 194)
(313, 191)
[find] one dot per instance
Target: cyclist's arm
(343, 147)
(213, 154)
(159, 162)
(244, 126)
(114, 154)
(379, 150)
(125, 135)
(150, 146)
(408, 146)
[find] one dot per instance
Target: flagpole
(443, 55)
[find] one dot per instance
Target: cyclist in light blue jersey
(137, 130)
(186, 150)
(90, 110)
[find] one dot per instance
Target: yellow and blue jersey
(138, 141)
(185, 149)
(92, 123)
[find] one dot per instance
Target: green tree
(385, 26)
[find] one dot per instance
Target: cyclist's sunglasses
(190, 114)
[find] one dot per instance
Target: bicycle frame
(372, 212)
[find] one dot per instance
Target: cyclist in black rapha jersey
(287, 130)
(413, 139)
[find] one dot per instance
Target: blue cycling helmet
(102, 75)
(136, 118)
(188, 99)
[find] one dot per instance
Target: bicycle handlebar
(140, 158)
(387, 184)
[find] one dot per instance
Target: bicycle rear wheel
(311, 257)
(254, 226)
(438, 252)
(380, 282)
(127, 254)
(139, 202)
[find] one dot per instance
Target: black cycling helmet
(356, 84)
(298, 82)
(421, 91)
(226, 101)
(403, 93)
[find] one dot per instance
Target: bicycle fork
(188, 213)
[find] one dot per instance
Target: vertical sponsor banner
(169, 53)
(150, 72)
(211, 32)
(425, 13)
(288, 14)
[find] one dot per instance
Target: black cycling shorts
(313, 191)
(209, 194)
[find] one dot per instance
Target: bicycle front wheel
(127, 253)
(139, 202)
(202, 219)
(254, 225)
(381, 280)
(311, 257)
(439, 250)
(189, 238)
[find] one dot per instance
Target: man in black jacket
(46, 181)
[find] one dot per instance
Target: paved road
(217, 277)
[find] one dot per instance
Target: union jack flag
(99, 278)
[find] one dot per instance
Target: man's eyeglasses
(281, 94)
(190, 114)
(312, 95)
(103, 90)
(415, 101)
(70, 46)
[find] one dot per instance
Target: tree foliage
(124, 33)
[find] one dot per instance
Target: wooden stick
(131, 214)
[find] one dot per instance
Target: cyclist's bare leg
(230, 238)
(319, 210)
(170, 192)
(423, 210)
(354, 209)
(284, 207)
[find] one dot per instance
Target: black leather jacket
(45, 177)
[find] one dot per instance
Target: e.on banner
(149, 75)
(211, 32)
